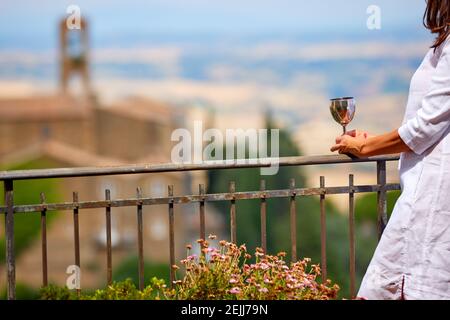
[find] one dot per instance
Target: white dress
(412, 260)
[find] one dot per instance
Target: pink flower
(264, 266)
(192, 257)
(233, 281)
(235, 290)
(307, 283)
(263, 290)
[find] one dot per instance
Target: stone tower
(74, 53)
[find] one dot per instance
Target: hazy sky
(25, 23)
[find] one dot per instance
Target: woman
(412, 260)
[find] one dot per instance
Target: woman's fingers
(340, 145)
(336, 147)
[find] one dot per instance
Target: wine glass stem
(344, 129)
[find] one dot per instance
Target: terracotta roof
(70, 155)
(39, 108)
(144, 109)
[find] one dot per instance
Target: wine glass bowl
(343, 110)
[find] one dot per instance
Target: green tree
(128, 269)
(249, 180)
(27, 226)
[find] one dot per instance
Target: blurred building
(75, 130)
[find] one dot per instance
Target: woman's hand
(351, 143)
(362, 145)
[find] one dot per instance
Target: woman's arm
(359, 145)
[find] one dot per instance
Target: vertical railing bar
(9, 235)
(232, 189)
(263, 212)
(201, 191)
(44, 241)
(171, 237)
(108, 238)
(381, 197)
(323, 232)
(293, 221)
(351, 220)
(76, 233)
(140, 240)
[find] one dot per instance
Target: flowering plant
(223, 273)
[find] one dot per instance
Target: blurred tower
(74, 47)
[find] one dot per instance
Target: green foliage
(128, 269)
(126, 290)
(122, 290)
(27, 226)
(53, 292)
(23, 292)
(366, 206)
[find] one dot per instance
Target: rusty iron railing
(9, 209)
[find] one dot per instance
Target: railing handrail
(177, 167)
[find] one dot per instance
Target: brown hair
(437, 20)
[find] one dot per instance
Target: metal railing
(10, 209)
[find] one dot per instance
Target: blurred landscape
(288, 56)
(233, 63)
(239, 59)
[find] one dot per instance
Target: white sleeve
(433, 118)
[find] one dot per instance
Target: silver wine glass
(343, 111)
